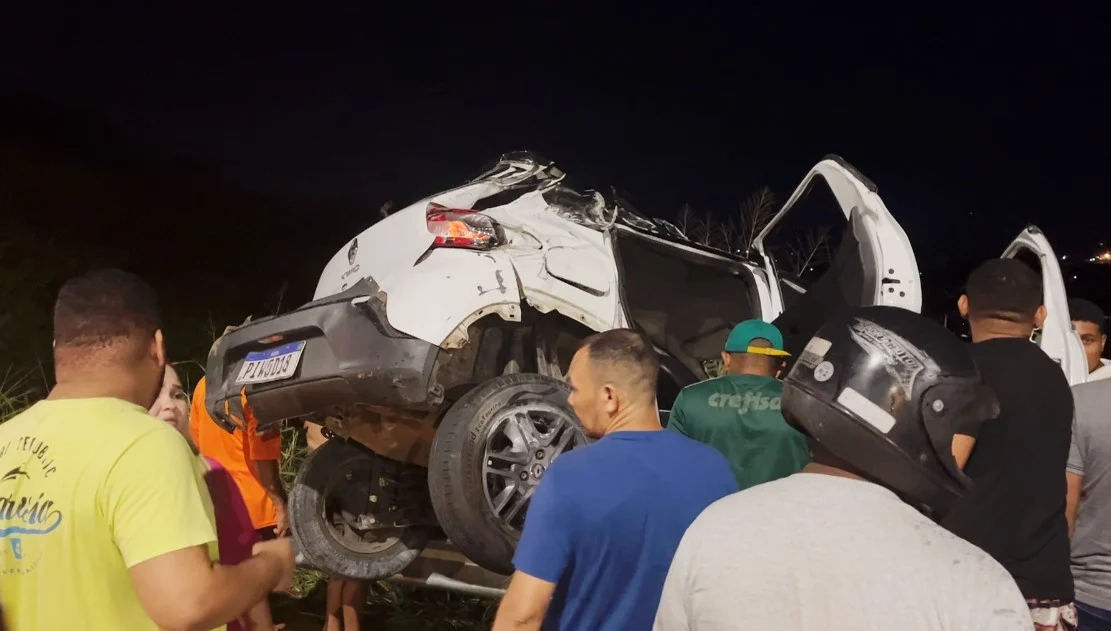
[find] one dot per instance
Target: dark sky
(971, 125)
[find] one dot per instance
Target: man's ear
(962, 306)
(725, 360)
(1102, 343)
(1039, 317)
(609, 393)
(158, 348)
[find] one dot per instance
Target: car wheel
(349, 510)
(490, 452)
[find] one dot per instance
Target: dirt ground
(389, 608)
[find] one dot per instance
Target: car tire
(316, 541)
(458, 479)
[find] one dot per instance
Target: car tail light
(461, 228)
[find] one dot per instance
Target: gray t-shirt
(1091, 457)
(814, 552)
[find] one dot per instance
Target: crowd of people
(895, 477)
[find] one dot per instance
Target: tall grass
(18, 390)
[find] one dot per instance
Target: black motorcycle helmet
(884, 389)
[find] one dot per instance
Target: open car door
(874, 263)
(1056, 337)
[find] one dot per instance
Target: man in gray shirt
(849, 543)
(1089, 503)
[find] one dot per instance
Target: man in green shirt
(739, 413)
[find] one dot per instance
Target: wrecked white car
(434, 351)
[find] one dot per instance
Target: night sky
(971, 126)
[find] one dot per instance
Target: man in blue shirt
(604, 524)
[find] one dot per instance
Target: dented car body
(434, 350)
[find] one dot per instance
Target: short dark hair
(1004, 289)
(1081, 310)
(103, 305)
(630, 352)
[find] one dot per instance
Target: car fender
(573, 273)
(388, 250)
(445, 293)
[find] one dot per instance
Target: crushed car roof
(524, 171)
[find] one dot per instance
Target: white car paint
(562, 241)
(449, 290)
(387, 250)
(1057, 337)
(462, 285)
(880, 236)
(555, 263)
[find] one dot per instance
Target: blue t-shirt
(605, 522)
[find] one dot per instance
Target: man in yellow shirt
(104, 520)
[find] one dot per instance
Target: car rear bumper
(351, 356)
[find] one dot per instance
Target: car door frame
(899, 282)
(1057, 338)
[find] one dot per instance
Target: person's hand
(281, 526)
(281, 550)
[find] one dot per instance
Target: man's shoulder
(1098, 389)
(1091, 401)
(729, 382)
(1019, 368)
(704, 387)
(1101, 373)
(755, 500)
(1014, 357)
(961, 560)
(107, 418)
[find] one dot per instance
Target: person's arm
(1074, 479)
(159, 521)
(206, 595)
(264, 453)
(259, 618)
(540, 560)
(964, 441)
(525, 603)
(962, 448)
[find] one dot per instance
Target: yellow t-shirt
(89, 488)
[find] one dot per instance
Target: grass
(17, 392)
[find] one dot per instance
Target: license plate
(272, 364)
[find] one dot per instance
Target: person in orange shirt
(253, 460)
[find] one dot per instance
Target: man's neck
(984, 330)
(637, 421)
(78, 388)
(746, 371)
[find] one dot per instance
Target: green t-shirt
(739, 415)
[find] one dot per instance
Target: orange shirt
(235, 452)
